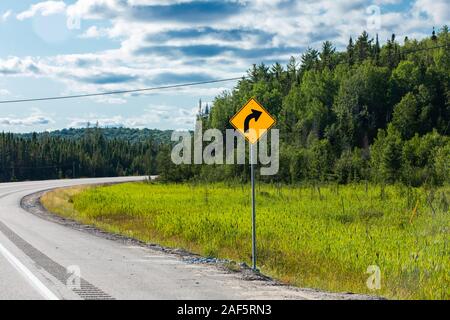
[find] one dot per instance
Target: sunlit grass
(312, 237)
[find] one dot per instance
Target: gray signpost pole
(252, 173)
(253, 111)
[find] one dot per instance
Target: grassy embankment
(323, 238)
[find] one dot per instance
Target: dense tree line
(111, 133)
(371, 112)
(91, 155)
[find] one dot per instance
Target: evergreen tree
(351, 52)
(327, 55)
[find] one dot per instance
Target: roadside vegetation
(323, 236)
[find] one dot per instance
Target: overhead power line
(174, 86)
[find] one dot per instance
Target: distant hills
(128, 134)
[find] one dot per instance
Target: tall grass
(323, 238)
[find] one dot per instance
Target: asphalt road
(40, 259)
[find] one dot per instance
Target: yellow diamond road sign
(252, 121)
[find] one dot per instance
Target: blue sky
(52, 48)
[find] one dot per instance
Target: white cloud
(93, 32)
(437, 11)
(299, 24)
(102, 122)
(45, 8)
(96, 9)
(5, 16)
(381, 2)
(153, 116)
(36, 118)
(19, 66)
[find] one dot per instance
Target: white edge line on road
(37, 284)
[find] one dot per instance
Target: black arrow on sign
(254, 115)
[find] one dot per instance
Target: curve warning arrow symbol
(254, 115)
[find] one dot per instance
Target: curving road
(40, 259)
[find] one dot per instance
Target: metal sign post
(252, 173)
(253, 121)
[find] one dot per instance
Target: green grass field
(323, 237)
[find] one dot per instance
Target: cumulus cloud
(22, 66)
(45, 8)
(116, 122)
(153, 116)
(93, 32)
(106, 78)
(36, 118)
(5, 16)
(436, 11)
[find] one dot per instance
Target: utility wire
(122, 91)
(191, 84)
